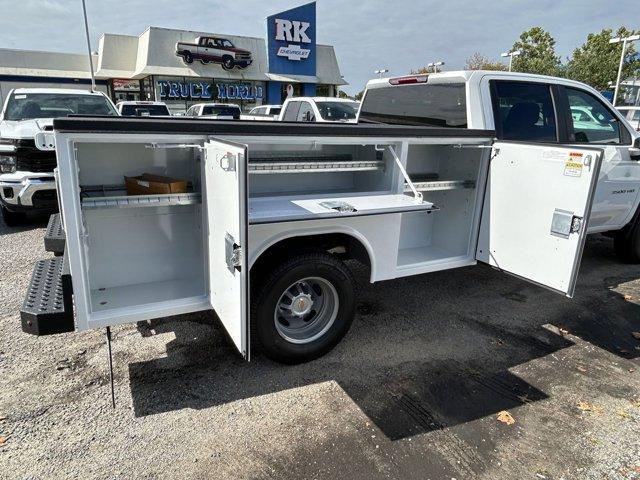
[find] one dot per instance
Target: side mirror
(636, 143)
(634, 151)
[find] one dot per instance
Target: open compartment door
(225, 194)
(536, 211)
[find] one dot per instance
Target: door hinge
(228, 162)
(233, 254)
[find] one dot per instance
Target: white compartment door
(536, 210)
(225, 196)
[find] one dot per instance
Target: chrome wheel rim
(306, 310)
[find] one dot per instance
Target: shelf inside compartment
(281, 209)
(440, 185)
(144, 294)
(273, 164)
(134, 201)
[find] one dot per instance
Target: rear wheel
(13, 219)
(627, 242)
(303, 308)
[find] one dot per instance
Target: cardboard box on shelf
(148, 184)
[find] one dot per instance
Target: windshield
(145, 110)
(435, 105)
(25, 106)
(222, 111)
(336, 111)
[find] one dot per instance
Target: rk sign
(292, 41)
(293, 31)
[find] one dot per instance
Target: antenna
(86, 28)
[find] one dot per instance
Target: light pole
(624, 41)
(435, 65)
(511, 54)
(381, 72)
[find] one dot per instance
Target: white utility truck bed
(284, 205)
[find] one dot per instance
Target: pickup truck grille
(30, 159)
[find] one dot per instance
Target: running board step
(48, 305)
(54, 237)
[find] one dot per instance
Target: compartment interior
(141, 249)
(447, 176)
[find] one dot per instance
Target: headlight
(7, 163)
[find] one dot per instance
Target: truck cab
(525, 108)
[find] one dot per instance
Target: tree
(423, 70)
(538, 53)
(342, 94)
(359, 95)
(596, 61)
(477, 61)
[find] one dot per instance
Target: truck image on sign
(216, 50)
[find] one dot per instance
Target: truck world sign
(291, 41)
(206, 91)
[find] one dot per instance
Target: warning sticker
(572, 169)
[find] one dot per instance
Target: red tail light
(409, 80)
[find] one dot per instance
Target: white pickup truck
(273, 209)
(319, 110)
(26, 173)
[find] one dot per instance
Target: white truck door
(536, 211)
(225, 196)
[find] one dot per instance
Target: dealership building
(170, 66)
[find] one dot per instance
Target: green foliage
(477, 61)
(596, 61)
(538, 53)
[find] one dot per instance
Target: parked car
(218, 111)
(26, 173)
(263, 113)
(214, 49)
(632, 114)
(319, 110)
(143, 109)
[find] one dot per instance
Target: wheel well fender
(356, 246)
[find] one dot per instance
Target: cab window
(590, 120)
(306, 113)
(291, 112)
(524, 111)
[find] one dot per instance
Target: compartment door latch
(565, 223)
(233, 253)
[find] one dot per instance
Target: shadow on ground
(424, 353)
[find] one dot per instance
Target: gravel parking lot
(414, 391)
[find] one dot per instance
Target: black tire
(627, 242)
(13, 219)
(228, 63)
(270, 289)
(187, 57)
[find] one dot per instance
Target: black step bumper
(54, 237)
(48, 305)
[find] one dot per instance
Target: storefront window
(325, 91)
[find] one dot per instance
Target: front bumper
(25, 191)
(243, 63)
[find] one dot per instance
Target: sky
(367, 34)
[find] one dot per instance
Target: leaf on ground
(3, 440)
(581, 368)
(636, 335)
(622, 414)
(586, 407)
(506, 418)
(627, 297)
